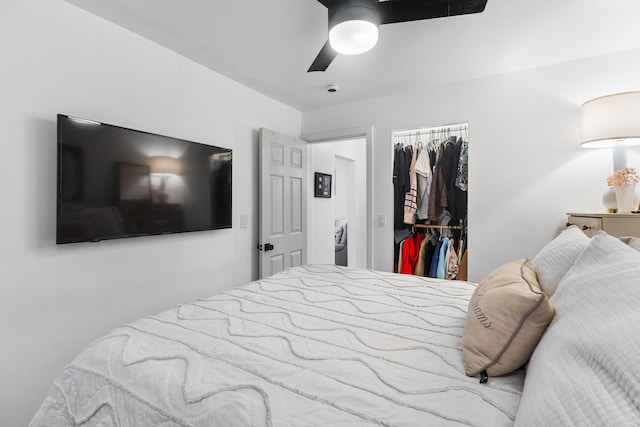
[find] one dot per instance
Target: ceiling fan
(353, 24)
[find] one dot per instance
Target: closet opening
(430, 183)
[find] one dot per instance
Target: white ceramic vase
(624, 197)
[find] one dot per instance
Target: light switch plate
(243, 221)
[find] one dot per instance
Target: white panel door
(283, 202)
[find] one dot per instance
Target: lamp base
(609, 200)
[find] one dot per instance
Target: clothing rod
(419, 133)
(455, 127)
(450, 227)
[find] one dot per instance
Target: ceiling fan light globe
(353, 37)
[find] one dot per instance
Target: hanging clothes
(442, 179)
(433, 269)
(430, 189)
(442, 260)
(456, 198)
(433, 151)
(459, 189)
(398, 240)
(453, 266)
(424, 174)
(400, 257)
(462, 272)
(462, 254)
(450, 159)
(410, 252)
(401, 184)
(419, 269)
(438, 191)
(420, 264)
(429, 252)
(462, 177)
(411, 197)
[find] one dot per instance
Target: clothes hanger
(431, 140)
(419, 143)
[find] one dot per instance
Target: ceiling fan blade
(393, 11)
(324, 58)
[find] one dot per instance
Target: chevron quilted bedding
(317, 345)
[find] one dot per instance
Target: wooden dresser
(612, 223)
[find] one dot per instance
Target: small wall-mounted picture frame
(322, 185)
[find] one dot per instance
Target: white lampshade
(611, 121)
(353, 28)
(165, 165)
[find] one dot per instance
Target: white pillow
(634, 242)
(557, 257)
(585, 369)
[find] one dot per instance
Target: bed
(323, 345)
(317, 345)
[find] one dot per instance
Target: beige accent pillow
(508, 313)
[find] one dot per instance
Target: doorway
(346, 209)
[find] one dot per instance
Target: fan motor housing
(347, 10)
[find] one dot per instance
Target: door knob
(267, 247)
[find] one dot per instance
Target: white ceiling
(268, 45)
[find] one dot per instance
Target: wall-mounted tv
(115, 182)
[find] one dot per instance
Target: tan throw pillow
(508, 313)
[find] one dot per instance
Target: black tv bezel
(59, 201)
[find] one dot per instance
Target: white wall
(321, 240)
(57, 58)
(526, 169)
(342, 173)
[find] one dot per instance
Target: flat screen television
(115, 182)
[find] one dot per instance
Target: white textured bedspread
(311, 346)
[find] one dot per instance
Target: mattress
(317, 345)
